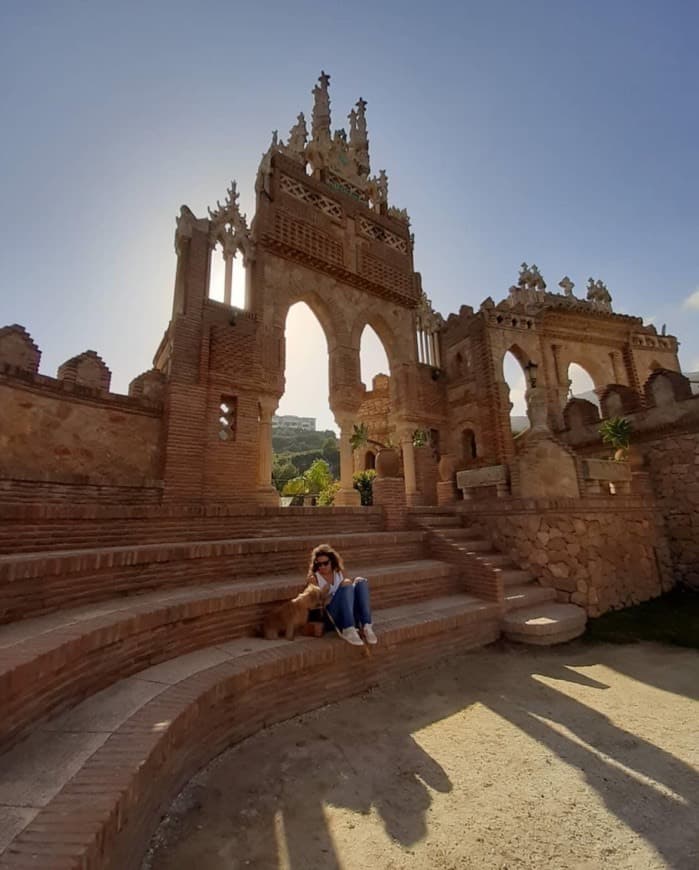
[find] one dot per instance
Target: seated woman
(348, 600)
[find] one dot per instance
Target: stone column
(347, 495)
(537, 410)
(412, 496)
(266, 493)
(228, 280)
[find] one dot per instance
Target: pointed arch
(582, 383)
(373, 359)
(514, 376)
(383, 331)
(306, 369)
(331, 321)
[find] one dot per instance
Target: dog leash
(365, 647)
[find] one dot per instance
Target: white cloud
(692, 301)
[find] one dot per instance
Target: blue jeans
(350, 605)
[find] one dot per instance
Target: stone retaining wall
(601, 553)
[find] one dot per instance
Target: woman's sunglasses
(322, 564)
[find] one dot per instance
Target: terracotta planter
(387, 462)
(447, 467)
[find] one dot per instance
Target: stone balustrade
(492, 475)
(606, 475)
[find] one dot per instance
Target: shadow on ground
(266, 803)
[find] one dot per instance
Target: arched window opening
(373, 359)
(369, 461)
(515, 379)
(227, 277)
(306, 454)
(468, 445)
(581, 384)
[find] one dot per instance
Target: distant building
(289, 421)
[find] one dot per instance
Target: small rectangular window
(228, 418)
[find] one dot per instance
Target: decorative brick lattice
(380, 273)
(379, 234)
(299, 191)
(298, 234)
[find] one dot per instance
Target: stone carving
(320, 122)
(298, 138)
(400, 214)
(598, 294)
(377, 190)
(530, 278)
(229, 226)
(358, 140)
(566, 286)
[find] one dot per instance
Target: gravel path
(577, 757)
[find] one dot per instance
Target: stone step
(439, 522)
(461, 533)
(517, 597)
(36, 583)
(471, 545)
(49, 663)
(516, 577)
(545, 624)
(126, 752)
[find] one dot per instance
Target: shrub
(364, 482)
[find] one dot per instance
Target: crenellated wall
(56, 431)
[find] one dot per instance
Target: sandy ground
(577, 757)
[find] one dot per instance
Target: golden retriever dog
(292, 615)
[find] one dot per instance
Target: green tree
(283, 470)
(318, 477)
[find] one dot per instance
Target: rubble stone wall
(602, 553)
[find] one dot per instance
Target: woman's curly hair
(325, 550)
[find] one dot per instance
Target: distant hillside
(295, 451)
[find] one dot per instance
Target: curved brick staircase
(128, 657)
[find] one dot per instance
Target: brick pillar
(266, 493)
(389, 493)
(446, 492)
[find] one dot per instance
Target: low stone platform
(546, 624)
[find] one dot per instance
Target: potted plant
(387, 459)
(616, 432)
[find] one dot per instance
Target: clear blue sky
(562, 133)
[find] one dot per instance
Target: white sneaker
(351, 635)
(368, 633)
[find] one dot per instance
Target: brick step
(35, 583)
(517, 597)
(467, 543)
(437, 522)
(545, 624)
(87, 790)
(49, 663)
(460, 533)
(516, 577)
(85, 529)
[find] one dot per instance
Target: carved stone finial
(298, 137)
(566, 285)
(320, 126)
(598, 294)
(530, 278)
(359, 142)
(229, 226)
